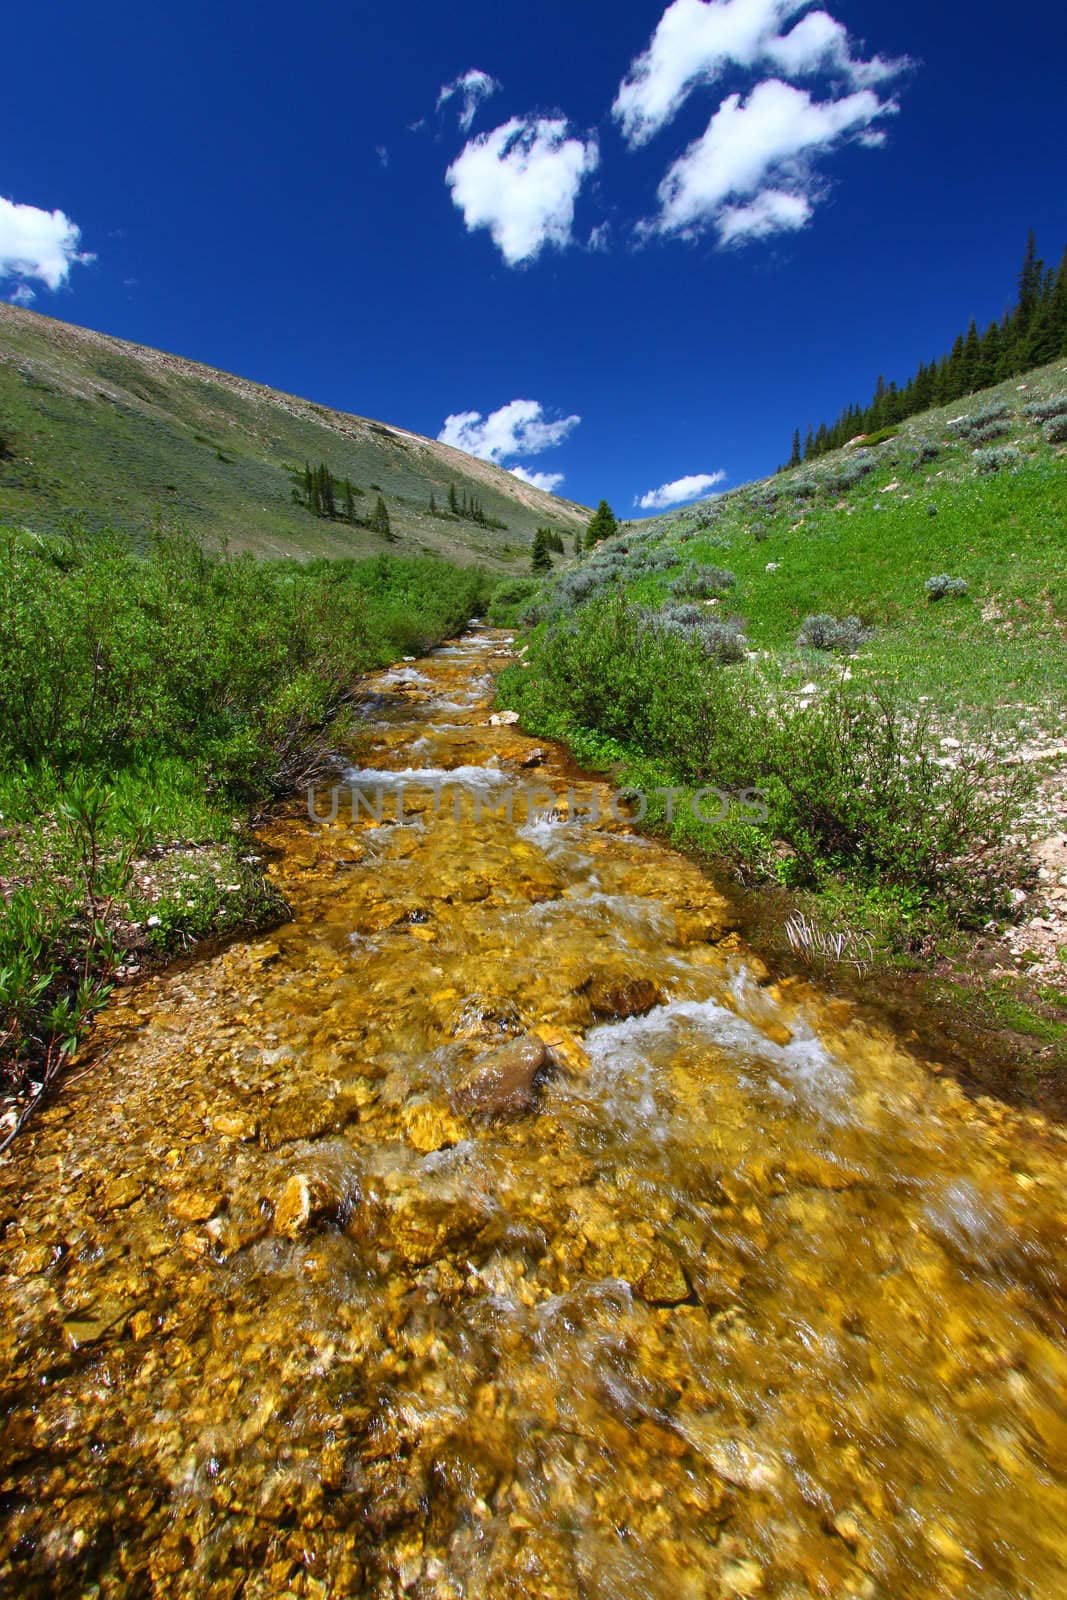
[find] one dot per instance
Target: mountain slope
(117, 435)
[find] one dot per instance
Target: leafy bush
(987, 431)
(849, 475)
(1001, 460)
(860, 790)
(703, 582)
(510, 597)
(844, 636)
(986, 423)
(926, 452)
(881, 437)
(1046, 410)
(1055, 432)
(942, 587)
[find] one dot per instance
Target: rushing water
(725, 1295)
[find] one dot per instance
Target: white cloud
(773, 211)
(549, 481)
(819, 43)
(520, 428)
(682, 489)
(22, 296)
(696, 40)
(521, 182)
(382, 152)
(760, 146)
(38, 244)
(473, 88)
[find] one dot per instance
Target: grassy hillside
(117, 435)
(861, 531)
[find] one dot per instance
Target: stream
(497, 1229)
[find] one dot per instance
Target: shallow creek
(497, 1229)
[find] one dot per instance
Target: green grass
(114, 436)
(869, 552)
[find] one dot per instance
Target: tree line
(466, 508)
(1030, 334)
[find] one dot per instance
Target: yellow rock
(565, 1050)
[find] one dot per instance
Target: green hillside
(117, 435)
(859, 533)
(876, 644)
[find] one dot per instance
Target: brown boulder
(622, 997)
(505, 1082)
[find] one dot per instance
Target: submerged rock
(622, 997)
(506, 1081)
(305, 1200)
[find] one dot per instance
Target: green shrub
(987, 431)
(844, 636)
(509, 598)
(1055, 432)
(942, 587)
(1045, 410)
(986, 423)
(1001, 460)
(882, 436)
(700, 583)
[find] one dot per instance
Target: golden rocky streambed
(494, 1229)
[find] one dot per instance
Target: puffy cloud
(761, 146)
(38, 244)
(520, 428)
(22, 296)
(818, 43)
(521, 182)
(473, 88)
(549, 481)
(697, 40)
(773, 211)
(694, 42)
(682, 489)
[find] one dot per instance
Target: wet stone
(619, 998)
(305, 1200)
(505, 1082)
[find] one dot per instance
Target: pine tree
(433, 504)
(1029, 284)
(453, 503)
(350, 502)
(794, 459)
(540, 560)
(602, 525)
(578, 542)
(380, 521)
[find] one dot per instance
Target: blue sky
(674, 232)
